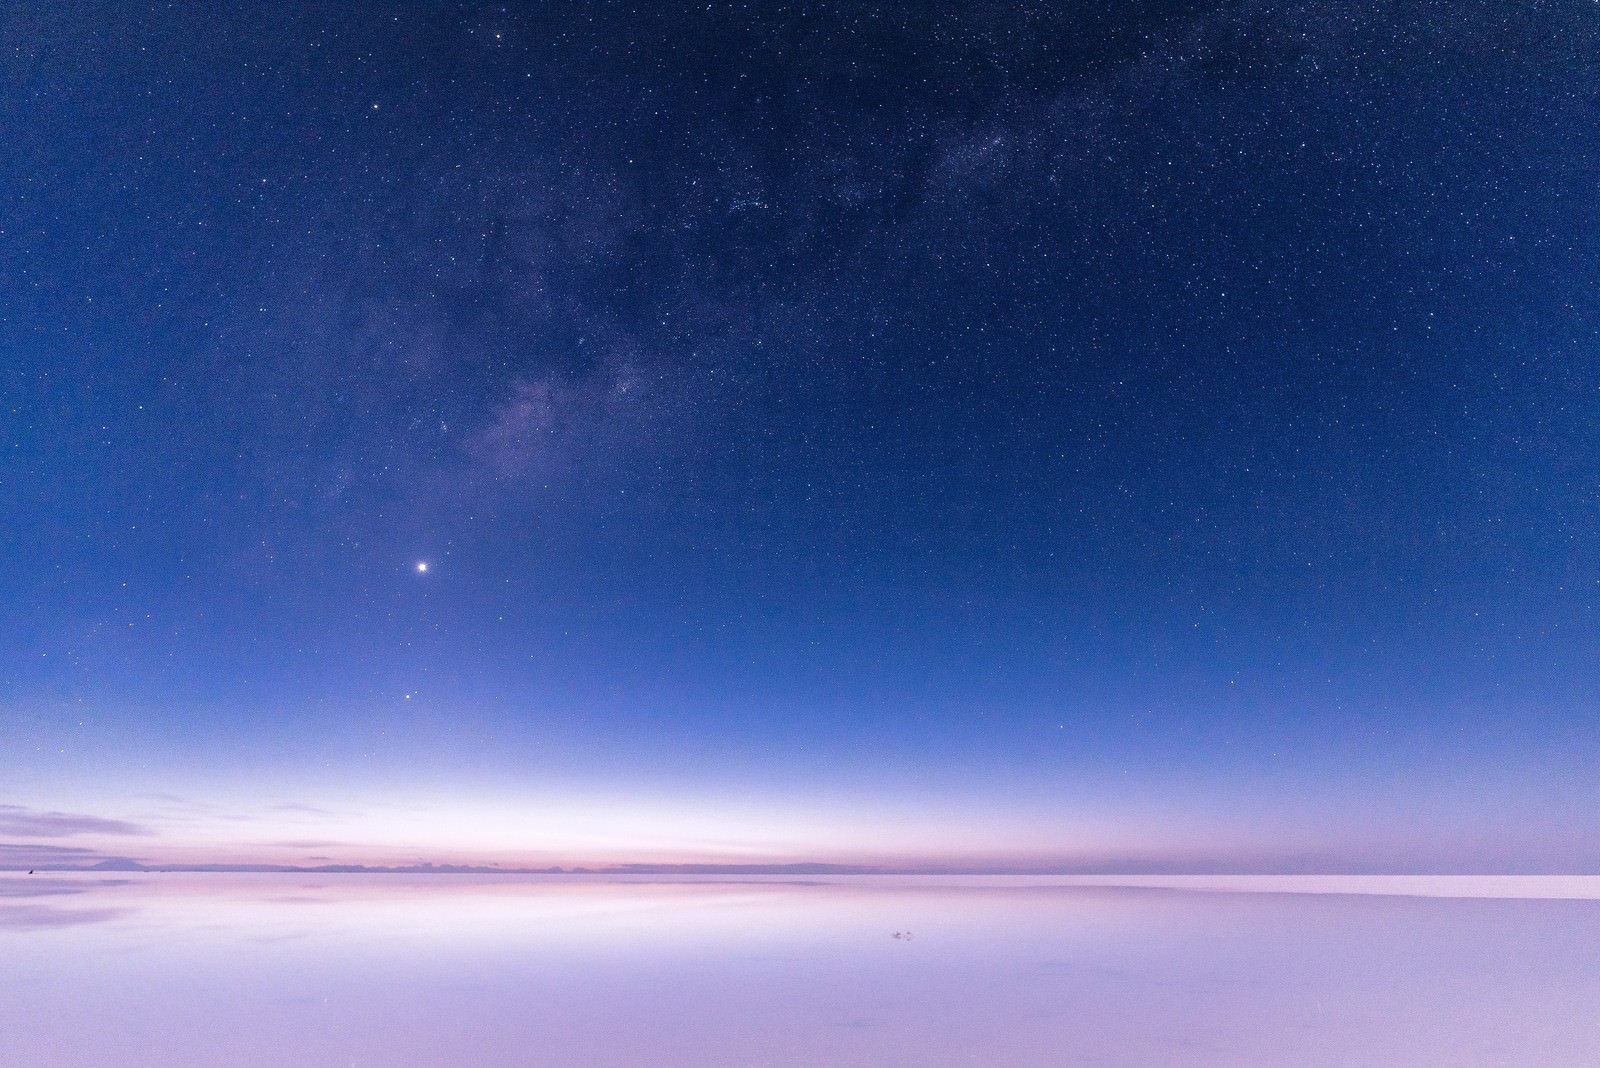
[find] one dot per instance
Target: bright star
(422, 566)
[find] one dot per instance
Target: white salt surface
(182, 971)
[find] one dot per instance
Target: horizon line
(122, 865)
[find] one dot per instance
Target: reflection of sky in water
(197, 970)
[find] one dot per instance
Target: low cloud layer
(17, 821)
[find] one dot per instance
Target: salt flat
(246, 970)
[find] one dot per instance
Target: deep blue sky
(1001, 433)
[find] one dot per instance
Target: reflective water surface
(388, 970)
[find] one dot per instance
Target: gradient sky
(1021, 435)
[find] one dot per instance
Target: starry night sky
(977, 434)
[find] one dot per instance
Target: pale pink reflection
(192, 970)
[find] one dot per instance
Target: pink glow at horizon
(356, 828)
(538, 832)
